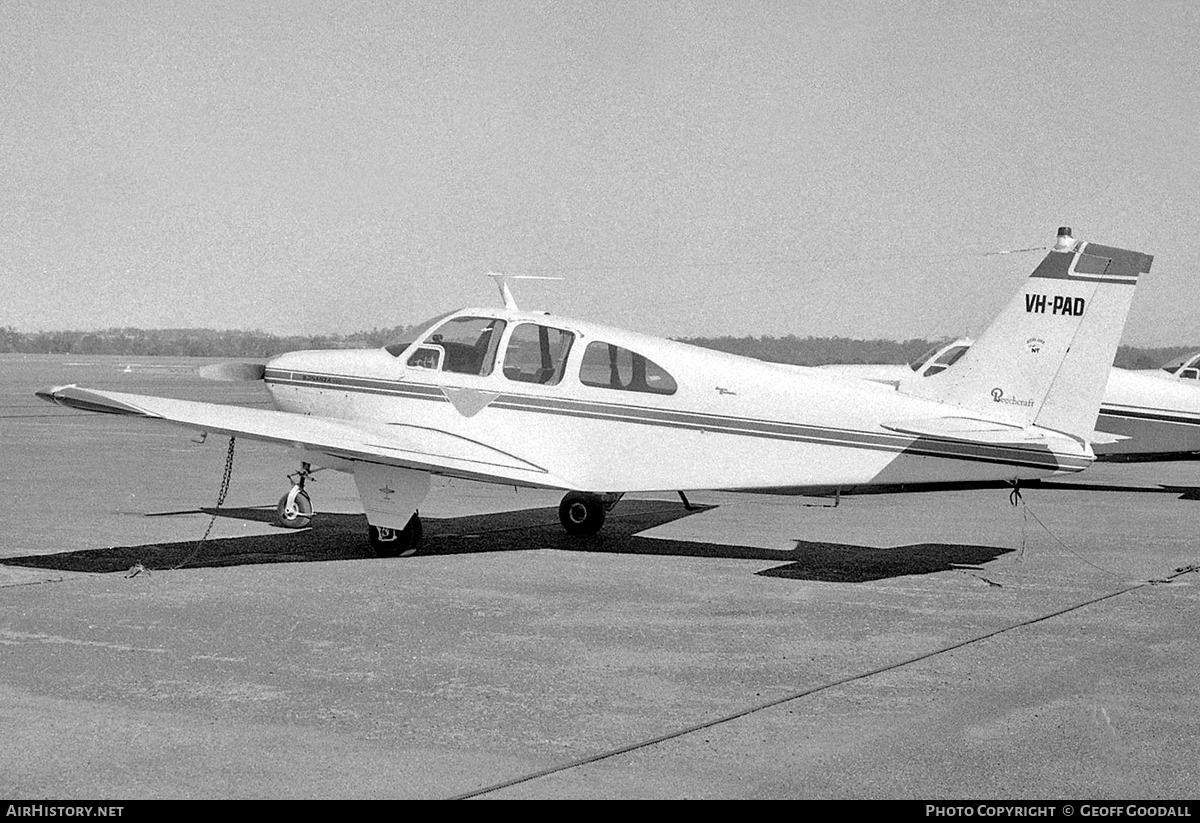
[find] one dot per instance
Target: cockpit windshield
(414, 333)
(461, 345)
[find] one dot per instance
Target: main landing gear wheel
(397, 542)
(295, 513)
(581, 514)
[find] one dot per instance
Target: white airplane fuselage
(732, 422)
(1160, 417)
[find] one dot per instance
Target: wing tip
(73, 397)
(50, 394)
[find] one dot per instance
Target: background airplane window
(948, 358)
(537, 354)
(951, 356)
(923, 359)
(612, 367)
(1179, 363)
(468, 344)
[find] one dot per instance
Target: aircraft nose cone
(320, 361)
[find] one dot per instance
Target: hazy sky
(690, 168)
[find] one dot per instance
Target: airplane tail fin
(1045, 359)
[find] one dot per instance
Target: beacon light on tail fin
(530, 399)
(1045, 360)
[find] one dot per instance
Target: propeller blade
(232, 372)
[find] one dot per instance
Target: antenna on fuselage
(510, 303)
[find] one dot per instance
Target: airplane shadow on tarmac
(343, 537)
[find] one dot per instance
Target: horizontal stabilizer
(971, 430)
(1099, 438)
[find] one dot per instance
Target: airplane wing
(402, 445)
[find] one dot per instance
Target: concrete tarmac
(932, 646)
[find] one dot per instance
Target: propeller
(232, 372)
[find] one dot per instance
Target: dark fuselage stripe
(1148, 414)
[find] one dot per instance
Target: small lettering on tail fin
(1045, 359)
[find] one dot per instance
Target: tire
(397, 543)
(581, 514)
(300, 517)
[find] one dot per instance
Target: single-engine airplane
(530, 399)
(1145, 415)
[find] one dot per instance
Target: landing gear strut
(295, 508)
(582, 513)
(397, 542)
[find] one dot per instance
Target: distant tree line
(184, 342)
(802, 351)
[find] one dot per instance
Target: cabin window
(537, 354)
(463, 345)
(1190, 374)
(612, 367)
